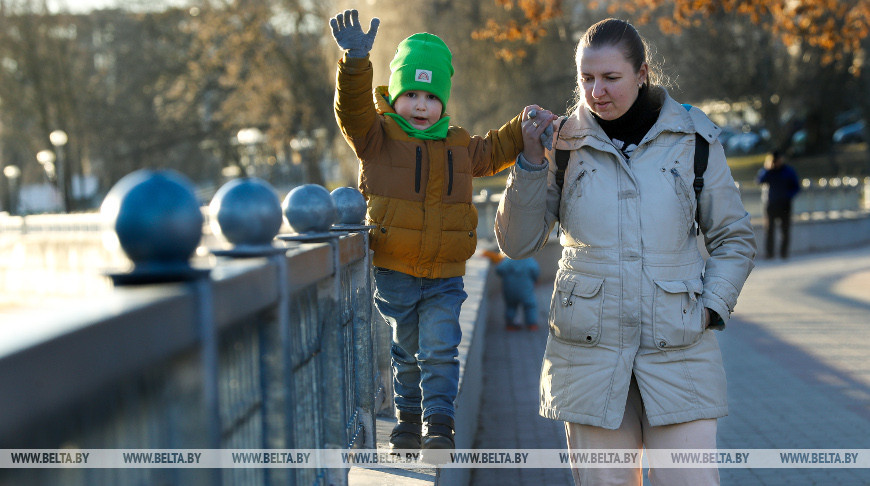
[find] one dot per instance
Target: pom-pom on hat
(422, 62)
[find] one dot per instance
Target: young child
(416, 172)
(518, 278)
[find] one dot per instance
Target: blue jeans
(424, 315)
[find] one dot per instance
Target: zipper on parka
(576, 183)
(449, 172)
(684, 198)
(574, 191)
(418, 170)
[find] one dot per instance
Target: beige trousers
(636, 433)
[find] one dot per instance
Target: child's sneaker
(510, 326)
(532, 327)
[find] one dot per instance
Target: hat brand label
(423, 76)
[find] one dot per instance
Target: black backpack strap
(702, 153)
(562, 157)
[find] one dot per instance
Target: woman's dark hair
(616, 33)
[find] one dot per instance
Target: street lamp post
(58, 139)
(300, 145)
(46, 159)
(12, 173)
(249, 138)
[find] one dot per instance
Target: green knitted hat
(422, 62)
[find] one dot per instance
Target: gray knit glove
(546, 135)
(349, 35)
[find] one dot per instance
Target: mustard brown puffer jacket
(418, 192)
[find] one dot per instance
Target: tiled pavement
(509, 404)
(798, 365)
(797, 357)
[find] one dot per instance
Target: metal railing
(275, 352)
(832, 194)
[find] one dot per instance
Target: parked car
(746, 142)
(799, 142)
(725, 134)
(851, 133)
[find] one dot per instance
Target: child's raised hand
(537, 133)
(348, 33)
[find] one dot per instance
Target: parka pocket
(576, 308)
(398, 228)
(458, 233)
(677, 313)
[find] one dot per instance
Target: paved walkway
(797, 357)
(509, 404)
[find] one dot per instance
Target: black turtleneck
(628, 130)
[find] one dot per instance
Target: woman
(630, 360)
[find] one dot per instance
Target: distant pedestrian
(518, 278)
(782, 186)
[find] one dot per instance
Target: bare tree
(38, 89)
(489, 86)
(761, 52)
(262, 65)
(97, 77)
(798, 56)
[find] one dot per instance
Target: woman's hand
(537, 131)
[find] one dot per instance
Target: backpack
(702, 153)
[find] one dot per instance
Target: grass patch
(744, 168)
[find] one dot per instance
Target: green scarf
(437, 131)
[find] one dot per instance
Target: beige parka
(632, 284)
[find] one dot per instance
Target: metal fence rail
(267, 353)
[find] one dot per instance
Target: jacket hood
(382, 94)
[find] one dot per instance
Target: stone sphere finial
(246, 211)
(309, 209)
(350, 205)
(157, 219)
